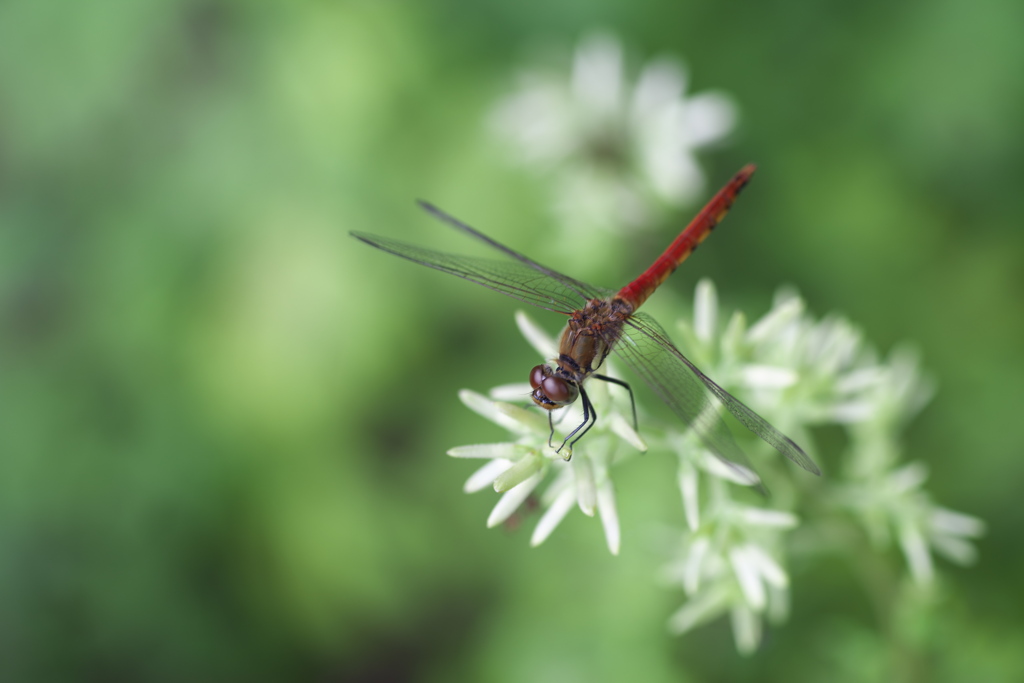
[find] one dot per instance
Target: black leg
(551, 429)
(589, 420)
(632, 402)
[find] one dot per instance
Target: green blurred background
(223, 421)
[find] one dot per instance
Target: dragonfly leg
(551, 429)
(632, 402)
(589, 420)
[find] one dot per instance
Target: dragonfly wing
(581, 288)
(514, 279)
(694, 396)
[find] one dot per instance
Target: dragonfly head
(551, 391)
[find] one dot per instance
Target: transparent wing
(522, 278)
(516, 280)
(695, 398)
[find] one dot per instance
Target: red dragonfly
(603, 321)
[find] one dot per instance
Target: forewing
(694, 397)
(584, 290)
(514, 279)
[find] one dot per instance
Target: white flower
(618, 150)
(517, 468)
(799, 372)
(732, 563)
(895, 502)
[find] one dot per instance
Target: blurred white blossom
(619, 151)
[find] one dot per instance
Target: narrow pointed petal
(700, 609)
(506, 451)
(955, 523)
(542, 342)
(518, 473)
(609, 515)
(778, 519)
(553, 516)
(767, 567)
(486, 475)
(748, 577)
(511, 501)
(688, 488)
(776, 319)
(705, 311)
(768, 377)
(526, 421)
(622, 427)
(916, 551)
(518, 392)
(695, 564)
(746, 629)
(493, 411)
(586, 490)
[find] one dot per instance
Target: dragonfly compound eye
(559, 390)
(538, 374)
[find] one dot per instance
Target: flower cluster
(619, 153)
(797, 372)
(516, 468)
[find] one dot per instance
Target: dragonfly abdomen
(637, 291)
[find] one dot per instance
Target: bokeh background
(223, 421)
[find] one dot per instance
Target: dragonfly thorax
(551, 388)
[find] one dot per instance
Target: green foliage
(223, 422)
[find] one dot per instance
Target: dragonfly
(602, 322)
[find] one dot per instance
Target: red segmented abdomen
(637, 291)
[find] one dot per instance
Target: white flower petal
(512, 499)
(624, 428)
(673, 173)
(661, 81)
(768, 376)
(700, 609)
(770, 570)
(954, 548)
(859, 379)
(507, 451)
(749, 578)
(497, 412)
(708, 117)
(765, 517)
(732, 338)
(609, 515)
(537, 336)
(950, 522)
(519, 391)
(779, 317)
(486, 475)
(746, 629)
(519, 472)
(523, 420)
(694, 564)
(738, 474)
(908, 478)
(586, 490)
(551, 518)
(916, 551)
(705, 310)
(565, 480)
(852, 412)
(597, 73)
(688, 488)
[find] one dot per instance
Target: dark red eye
(557, 389)
(538, 374)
